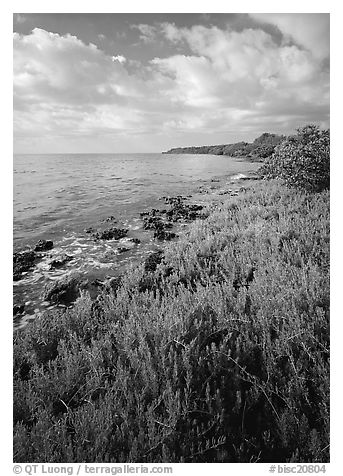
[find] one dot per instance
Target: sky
(113, 83)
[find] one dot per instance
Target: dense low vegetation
(218, 351)
(262, 147)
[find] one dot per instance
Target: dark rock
(65, 290)
(252, 177)
(111, 234)
(60, 260)
(195, 208)
(136, 241)
(108, 219)
(182, 211)
(18, 309)
(160, 220)
(122, 249)
(164, 235)
(89, 230)
(175, 200)
(152, 223)
(22, 261)
(44, 245)
(153, 260)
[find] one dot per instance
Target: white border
(175, 6)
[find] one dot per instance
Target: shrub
(207, 362)
(302, 161)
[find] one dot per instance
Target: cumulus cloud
(148, 32)
(310, 30)
(60, 83)
(245, 69)
(220, 80)
(119, 58)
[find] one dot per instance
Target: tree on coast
(303, 160)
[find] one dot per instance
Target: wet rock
(161, 220)
(164, 235)
(252, 177)
(136, 241)
(181, 211)
(111, 234)
(155, 223)
(110, 219)
(195, 208)
(65, 290)
(60, 260)
(151, 222)
(122, 249)
(18, 309)
(44, 245)
(174, 200)
(22, 261)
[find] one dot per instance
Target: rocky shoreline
(164, 223)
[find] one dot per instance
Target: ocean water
(58, 196)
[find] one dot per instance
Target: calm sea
(57, 196)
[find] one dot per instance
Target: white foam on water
(238, 176)
(78, 251)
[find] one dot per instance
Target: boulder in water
(65, 290)
(164, 235)
(22, 261)
(18, 309)
(111, 234)
(136, 241)
(44, 245)
(123, 249)
(60, 260)
(111, 218)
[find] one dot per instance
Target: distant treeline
(261, 148)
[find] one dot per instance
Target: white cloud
(63, 69)
(120, 58)
(310, 30)
(65, 87)
(247, 68)
(227, 80)
(171, 32)
(148, 32)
